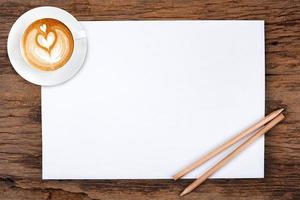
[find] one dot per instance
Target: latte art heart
(43, 28)
(46, 41)
(47, 44)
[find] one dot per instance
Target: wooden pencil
(227, 144)
(230, 156)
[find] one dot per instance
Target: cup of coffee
(47, 44)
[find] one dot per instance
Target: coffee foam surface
(47, 44)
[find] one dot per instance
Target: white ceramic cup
(36, 76)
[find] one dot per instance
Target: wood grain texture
(20, 112)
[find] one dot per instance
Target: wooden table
(20, 106)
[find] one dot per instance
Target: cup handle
(80, 35)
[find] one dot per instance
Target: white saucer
(42, 77)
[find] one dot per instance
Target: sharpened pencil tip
(184, 192)
(175, 177)
(277, 112)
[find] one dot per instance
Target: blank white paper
(154, 96)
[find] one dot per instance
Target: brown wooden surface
(20, 112)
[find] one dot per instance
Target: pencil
(227, 144)
(230, 156)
